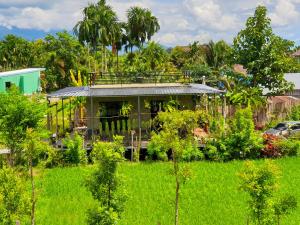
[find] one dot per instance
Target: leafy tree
(105, 185)
(176, 134)
(14, 204)
(265, 55)
(178, 57)
(15, 53)
(261, 182)
(250, 97)
(17, 114)
(33, 146)
(196, 53)
(217, 54)
(154, 56)
(64, 53)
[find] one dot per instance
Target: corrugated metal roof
(143, 90)
(18, 72)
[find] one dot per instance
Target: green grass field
(212, 197)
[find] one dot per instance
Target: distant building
(295, 79)
(27, 80)
(296, 55)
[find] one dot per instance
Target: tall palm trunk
(32, 192)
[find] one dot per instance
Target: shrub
(14, 204)
(240, 141)
(288, 147)
(75, 152)
(278, 147)
(295, 113)
(54, 158)
(270, 150)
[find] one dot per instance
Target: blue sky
(182, 21)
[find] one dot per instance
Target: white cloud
(209, 14)
(285, 13)
(182, 21)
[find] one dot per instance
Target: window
(295, 127)
(7, 85)
(281, 126)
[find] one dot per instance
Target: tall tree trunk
(176, 172)
(105, 60)
(102, 60)
(117, 60)
(32, 193)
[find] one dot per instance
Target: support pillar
(91, 119)
(140, 127)
(56, 118)
(70, 113)
(48, 115)
(224, 108)
(63, 114)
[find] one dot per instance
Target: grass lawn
(212, 197)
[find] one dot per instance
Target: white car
(285, 129)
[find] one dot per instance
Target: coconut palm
(99, 27)
(142, 25)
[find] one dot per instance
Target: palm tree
(141, 26)
(100, 26)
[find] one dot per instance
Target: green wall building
(27, 80)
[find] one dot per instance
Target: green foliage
(141, 26)
(241, 140)
(250, 97)
(102, 216)
(75, 153)
(210, 197)
(105, 185)
(288, 147)
(178, 57)
(284, 205)
(15, 119)
(14, 203)
(295, 113)
(176, 126)
(16, 52)
(150, 58)
(64, 53)
(126, 109)
(265, 55)
(54, 158)
(261, 183)
(176, 136)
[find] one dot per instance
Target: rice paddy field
(211, 197)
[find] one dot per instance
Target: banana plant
(78, 101)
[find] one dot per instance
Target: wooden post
(70, 113)
(91, 118)
(63, 114)
(140, 128)
(56, 124)
(48, 115)
(132, 144)
(224, 108)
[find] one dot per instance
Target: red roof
(296, 53)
